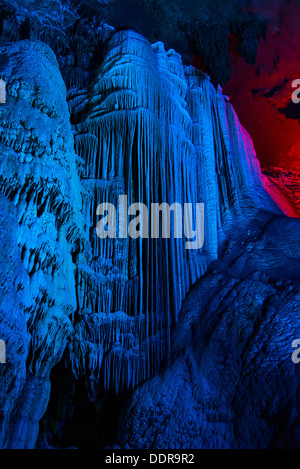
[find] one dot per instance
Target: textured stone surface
(40, 188)
(156, 131)
(284, 188)
(231, 382)
(82, 124)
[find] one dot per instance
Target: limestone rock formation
(232, 382)
(42, 224)
(155, 131)
(112, 313)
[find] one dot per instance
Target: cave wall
(140, 124)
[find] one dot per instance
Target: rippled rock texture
(107, 315)
(156, 131)
(41, 227)
(231, 382)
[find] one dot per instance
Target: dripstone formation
(187, 336)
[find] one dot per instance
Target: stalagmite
(42, 222)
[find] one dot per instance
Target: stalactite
(158, 132)
(149, 128)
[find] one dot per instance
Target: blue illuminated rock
(42, 222)
(156, 131)
(151, 128)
